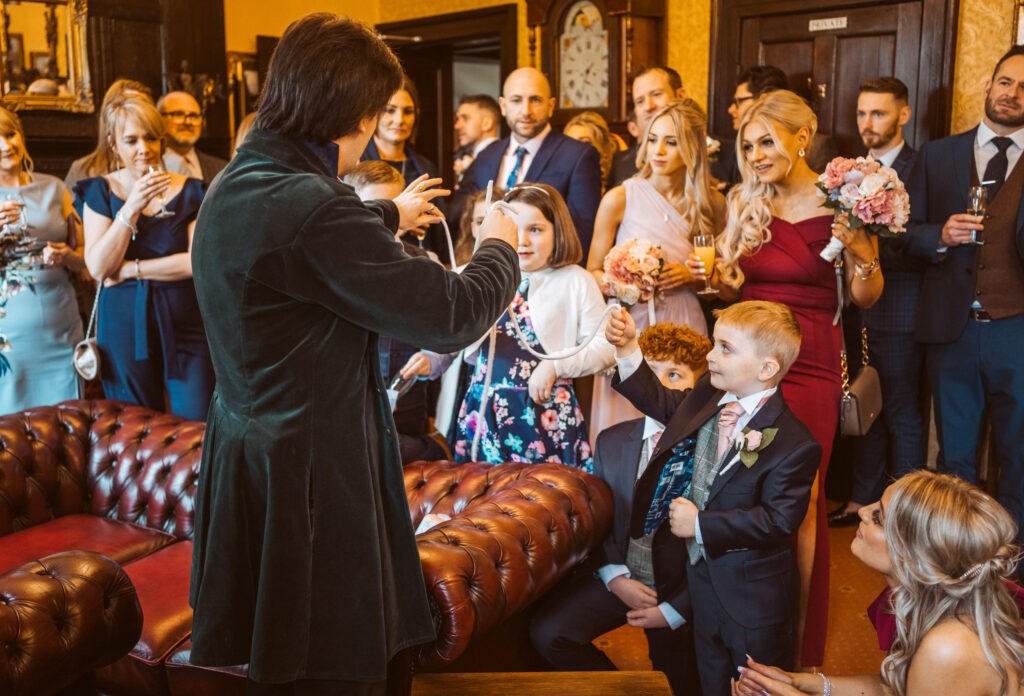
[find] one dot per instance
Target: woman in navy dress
(151, 338)
(396, 131)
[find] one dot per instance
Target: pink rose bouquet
(872, 196)
(631, 271)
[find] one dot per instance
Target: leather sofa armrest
(507, 548)
(61, 618)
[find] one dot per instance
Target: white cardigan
(565, 307)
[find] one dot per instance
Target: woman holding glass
(669, 202)
(138, 233)
(770, 251)
(391, 143)
(43, 325)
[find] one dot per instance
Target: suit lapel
(764, 418)
(963, 164)
(902, 162)
(547, 148)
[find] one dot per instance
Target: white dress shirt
(484, 142)
(985, 149)
(889, 156)
(187, 165)
(609, 572)
(508, 162)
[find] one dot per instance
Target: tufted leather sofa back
(104, 458)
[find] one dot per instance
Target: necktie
(513, 176)
(726, 424)
(995, 171)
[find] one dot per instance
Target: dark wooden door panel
(912, 40)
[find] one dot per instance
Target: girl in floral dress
(532, 414)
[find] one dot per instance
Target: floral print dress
(515, 428)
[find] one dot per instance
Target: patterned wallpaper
(984, 36)
(689, 44)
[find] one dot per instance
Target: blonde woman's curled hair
(750, 202)
(951, 547)
(690, 125)
(598, 135)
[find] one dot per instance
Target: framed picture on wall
(40, 60)
(1018, 22)
(16, 51)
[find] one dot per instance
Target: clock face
(583, 59)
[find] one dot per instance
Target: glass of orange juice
(704, 247)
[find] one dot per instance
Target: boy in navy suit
(627, 580)
(745, 473)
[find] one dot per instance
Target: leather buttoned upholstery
(123, 477)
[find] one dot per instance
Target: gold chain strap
(846, 373)
(864, 346)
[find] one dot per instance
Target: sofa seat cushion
(120, 541)
(161, 581)
(187, 679)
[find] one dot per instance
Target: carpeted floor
(851, 648)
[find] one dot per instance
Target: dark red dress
(788, 270)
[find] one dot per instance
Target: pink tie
(654, 439)
(726, 424)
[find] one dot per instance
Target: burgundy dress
(788, 270)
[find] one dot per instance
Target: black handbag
(861, 401)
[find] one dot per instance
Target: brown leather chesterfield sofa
(120, 480)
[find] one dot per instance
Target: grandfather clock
(590, 48)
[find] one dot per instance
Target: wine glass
(704, 247)
(421, 234)
(164, 212)
(22, 224)
(977, 204)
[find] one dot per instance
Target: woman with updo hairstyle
(139, 221)
(770, 251)
(591, 128)
(946, 551)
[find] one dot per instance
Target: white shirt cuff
(674, 618)
(696, 530)
(629, 364)
(611, 571)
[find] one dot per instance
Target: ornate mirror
(45, 63)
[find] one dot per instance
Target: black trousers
(582, 609)
(398, 683)
(722, 644)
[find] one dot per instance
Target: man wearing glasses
(184, 124)
(755, 81)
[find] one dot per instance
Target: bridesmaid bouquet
(631, 272)
(872, 196)
(16, 250)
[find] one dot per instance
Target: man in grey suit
(184, 123)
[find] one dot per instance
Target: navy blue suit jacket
(571, 167)
(938, 188)
(752, 513)
(616, 457)
(896, 309)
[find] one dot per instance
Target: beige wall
(689, 29)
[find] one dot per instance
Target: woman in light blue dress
(43, 326)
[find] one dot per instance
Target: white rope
(520, 336)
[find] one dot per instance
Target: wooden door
(828, 51)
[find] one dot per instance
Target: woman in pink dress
(668, 201)
(770, 251)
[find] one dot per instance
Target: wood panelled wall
(141, 40)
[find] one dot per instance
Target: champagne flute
(704, 247)
(421, 234)
(20, 225)
(977, 204)
(164, 212)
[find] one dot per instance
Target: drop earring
(801, 152)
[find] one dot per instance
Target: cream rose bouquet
(872, 196)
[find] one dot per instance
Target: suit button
(387, 432)
(978, 293)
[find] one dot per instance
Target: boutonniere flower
(749, 444)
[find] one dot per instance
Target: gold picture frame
(1018, 22)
